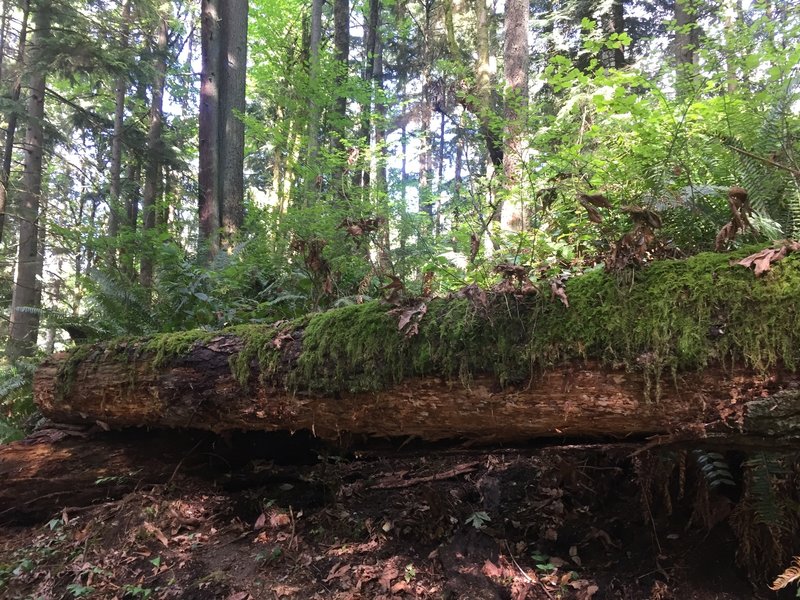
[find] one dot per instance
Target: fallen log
(691, 349)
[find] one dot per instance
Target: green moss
(663, 318)
(660, 319)
(167, 346)
(355, 348)
(65, 376)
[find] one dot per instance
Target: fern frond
(790, 575)
(714, 467)
(763, 467)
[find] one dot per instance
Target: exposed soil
(267, 517)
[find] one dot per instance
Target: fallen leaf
(157, 533)
(558, 290)
(594, 215)
(260, 522)
(519, 590)
(491, 570)
(390, 572)
(762, 261)
(337, 571)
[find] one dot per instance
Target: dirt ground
(280, 520)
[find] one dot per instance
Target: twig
(450, 473)
(527, 577)
(762, 159)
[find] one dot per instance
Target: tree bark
(485, 76)
(575, 400)
(115, 169)
(516, 102)
(311, 182)
(682, 350)
(233, 63)
(152, 178)
(11, 128)
(24, 324)
(208, 176)
(686, 40)
(341, 53)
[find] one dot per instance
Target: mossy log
(691, 348)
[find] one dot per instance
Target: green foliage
(16, 399)
(715, 468)
(680, 314)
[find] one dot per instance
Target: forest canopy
(177, 165)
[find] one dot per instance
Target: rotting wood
(577, 400)
(691, 349)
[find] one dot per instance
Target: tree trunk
(233, 63)
(686, 39)
(208, 175)
(152, 177)
(362, 172)
(516, 102)
(626, 360)
(115, 169)
(618, 27)
(485, 76)
(11, 128)
(313, 172)
(582, 399)
(24, 323)
(341, 53)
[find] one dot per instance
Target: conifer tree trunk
(222, 101)
(11, 127)
(341, 51)
(362, 175)
(231, 106)
(208, 179)
(516, 101)
(618, 27)
(686, 38)
(152, 177)
(314, 112)
(115, 169)
(24, 324)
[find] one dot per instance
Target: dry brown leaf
(260, 522)
(279, 519)
(337, 571)
(491, 570)
(520, 589)
(390, 572)
(594, 215)
(762, 261)
(157, 533)
(398, 587)
(598, 200)
(558, 290)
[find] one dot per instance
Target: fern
(772, 192)
(763, 468)
(790, 575)
(714, 467)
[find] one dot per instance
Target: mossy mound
(672, 315)
(676, 314)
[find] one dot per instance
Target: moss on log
(664, 348)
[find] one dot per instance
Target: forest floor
(276, 520)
